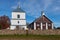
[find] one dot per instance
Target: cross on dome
(19, 4)
(18, 9)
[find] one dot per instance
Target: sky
(33, 9)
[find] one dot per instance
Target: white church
(18, 20)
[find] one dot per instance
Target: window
(44, 24)
(49, 24)
(18, 22)
(37, 24)
(18, 16)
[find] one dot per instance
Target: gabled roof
(18, 10)
(47, 18)
(41, 19)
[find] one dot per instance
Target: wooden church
(42, 23)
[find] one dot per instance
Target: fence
(35, 32)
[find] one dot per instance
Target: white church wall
(22, 27)
(14, 15)
(12, 27)
(15, 22)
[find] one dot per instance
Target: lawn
(29, 37)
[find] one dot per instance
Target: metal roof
(18, 9)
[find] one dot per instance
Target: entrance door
(17, 27)
(38, 26)
(44, 26)
(49, 27)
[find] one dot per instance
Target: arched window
(18, 22)
(18, 16)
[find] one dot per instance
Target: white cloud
(14, 7)
(35, 8)
(57, 8)
(57, 24)
(47, 3)
(32, 7)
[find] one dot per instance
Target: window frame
(18, 16)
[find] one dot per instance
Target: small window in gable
(18, 16)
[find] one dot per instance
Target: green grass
(34, 37)
(16, 35)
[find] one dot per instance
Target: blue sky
(33, 9)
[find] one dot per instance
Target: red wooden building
(4, 22)
(42, 23)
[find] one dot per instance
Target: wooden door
(44, 26)
(17, 27)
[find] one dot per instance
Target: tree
(0, 27)
(58, 27)
(4, 22)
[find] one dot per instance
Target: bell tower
(18, 18)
